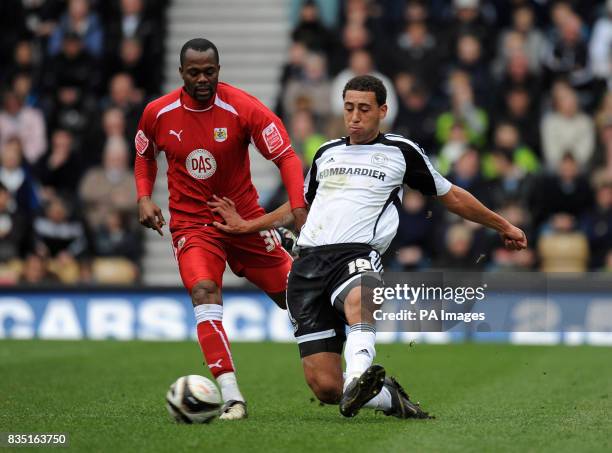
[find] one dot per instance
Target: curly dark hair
(367, 83)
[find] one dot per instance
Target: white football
(193, 399)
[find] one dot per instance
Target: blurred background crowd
(511, 99)
(75, 76)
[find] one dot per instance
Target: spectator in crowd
(355, 37)
(311, 31)
(79, 19)
(304, 136)
(12, 24)
(136, 37)
(564, 191)
(23, 62)
(466, 173)
(600, 45)
(110, 187)
(522, 37)
(113, 238)
(597, 222)
(416, 51)
(36, 272)
(414, 239)
(566, 129)
(563, 248)
(458, 252)
(14, 228)
(112, 125)
(602, 161)
(469, 59)
(519, 111)
(58, 233)
(416, 116)
(468, 18)
(16, 177)
(567, 54)
(73, 66)
(292, 69)
(463, 111)
(313, 86)
(123, 96)
(507, 140)
(60, 170)
(361, 64)
(517, 74)
(25, 123)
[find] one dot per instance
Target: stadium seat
(117, 271)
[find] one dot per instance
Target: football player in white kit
(353, 190)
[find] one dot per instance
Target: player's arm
(464, 204)
(235, 224)
(145, 172)
(272, 140)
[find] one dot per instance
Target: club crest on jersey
(181, 243)
(220, 134)
(141, 142)
(201, 164)
(272, 137)
(379, 159)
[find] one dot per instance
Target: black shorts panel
(315, 275)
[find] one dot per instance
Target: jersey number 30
(359, 265)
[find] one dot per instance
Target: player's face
(200, 73)
(362, 115)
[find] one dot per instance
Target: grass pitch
(109, 397)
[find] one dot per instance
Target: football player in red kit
(204, 128)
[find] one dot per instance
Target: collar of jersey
(376, 140)
(192, 105)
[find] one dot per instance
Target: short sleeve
(144, 141)
(420, 173)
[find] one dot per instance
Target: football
(193, 399)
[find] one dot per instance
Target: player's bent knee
(205, 292)
(326, 389)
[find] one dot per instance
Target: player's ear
(382, 111)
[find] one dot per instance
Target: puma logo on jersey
(217, 364)
(176, 134)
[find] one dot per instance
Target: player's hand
(299, 214)
(150, 215)
(226, 208)
(514, 238)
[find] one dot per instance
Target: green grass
(109, 397)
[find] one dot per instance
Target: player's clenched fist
(150, 215)
(514, 238)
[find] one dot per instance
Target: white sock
(359, 351)
(229, 387)
(382, 401)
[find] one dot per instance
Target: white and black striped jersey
(354, 191)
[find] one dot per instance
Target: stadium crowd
(511, 99)
(75, 76)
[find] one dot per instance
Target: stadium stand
(511, 100)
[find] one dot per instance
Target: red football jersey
(207, 150)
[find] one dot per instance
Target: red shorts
(202, 253)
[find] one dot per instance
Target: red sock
(215, 347)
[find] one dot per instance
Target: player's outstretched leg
(401, 406)
(206, 299)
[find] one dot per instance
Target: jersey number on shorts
(271, 239)
(359, 265)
